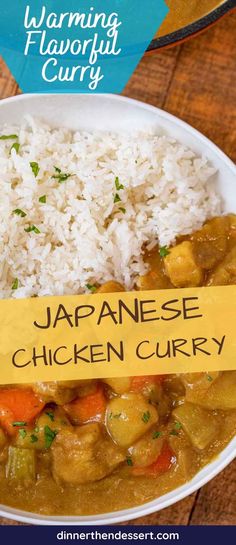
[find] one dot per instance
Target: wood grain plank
(152, 78)
(216, 502)
(202, 90)
(8, 86)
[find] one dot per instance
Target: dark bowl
(170, 38)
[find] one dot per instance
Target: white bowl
(111, 112)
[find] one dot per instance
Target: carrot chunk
(163, 463)
(18, 405)
(89, 408)
(139, 383)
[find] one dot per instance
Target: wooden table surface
(196, 82)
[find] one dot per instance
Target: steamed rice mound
(119, 192)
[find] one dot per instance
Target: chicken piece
(110, 287)
(181, 266)
(147, 449)
(55, 392)
(225, 273)
(84, 455)
(210, 242)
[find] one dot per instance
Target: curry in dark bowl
(89, 447)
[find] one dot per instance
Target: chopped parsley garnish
(156, 434)
(31, 229)
(163, 251)
(19, 212)
(36, 429)
(91, 287)
(174, 432)
(35, 168)
(146, 417)
(123, 210)
(8, 137)
(15, 284)
(209, 378)
(22, 433)
(117, 198)
(33, 438)
(117, 184)
(49, 436)
(178, 426)
(112, 415)
(16, 147)
(50, 415)
(129, 461)
(61, 176)
(43, 199)
(19, 424)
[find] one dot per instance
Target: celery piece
(21, 465)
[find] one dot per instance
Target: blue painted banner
(76, 45)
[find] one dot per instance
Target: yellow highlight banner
(117, 335)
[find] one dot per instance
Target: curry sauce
(95, 446)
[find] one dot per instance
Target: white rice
(84, 236)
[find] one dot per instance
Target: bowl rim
(211, 469)
(191, 29)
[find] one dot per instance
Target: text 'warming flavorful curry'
(87, 447)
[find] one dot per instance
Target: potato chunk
(129, 417)
(201, 426)
(83, 455)
(119, 385)
(220, 395)
(181, 266)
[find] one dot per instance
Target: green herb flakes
(43, 199)
(91, 287)
(19, 212)
(163, 251)
(33, 438)
(117, 198)
(31, 229)
(15, 284)
(35, 168)
(123, 210)
(22, 433)
(50, 415)
(178, 426)
(174, 432)
(112, 415)
(129, 462)
(209, 378)
(146, 417)
(117, 184)
(61, 176)
(19, 424)
(8, 137)
(16, 147)
(49, 436)
(156, 434)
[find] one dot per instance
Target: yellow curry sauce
(87, 447)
